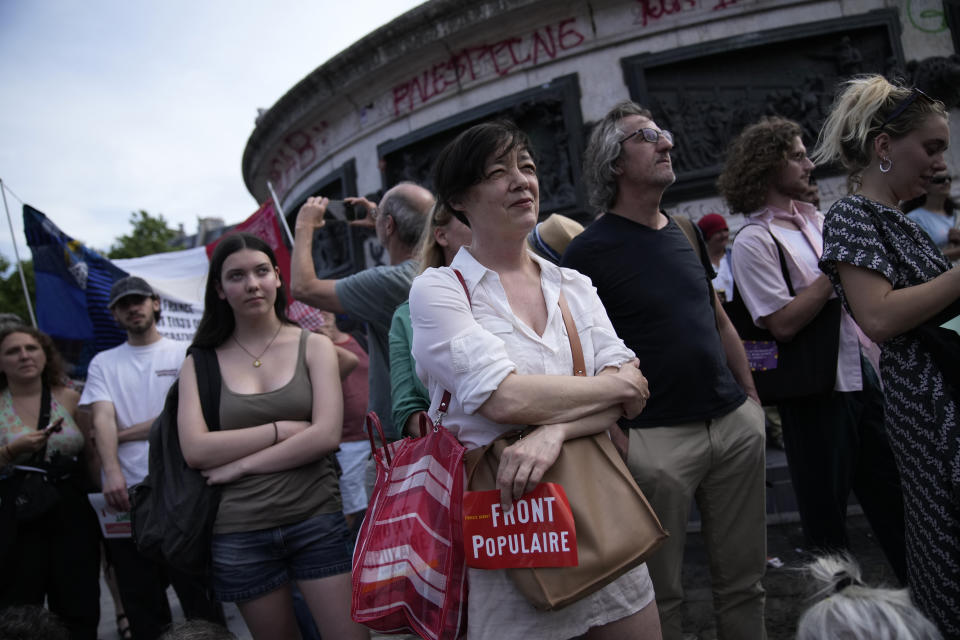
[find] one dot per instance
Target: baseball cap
(129, 286)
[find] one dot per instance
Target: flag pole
(282, 216)
(16, 253)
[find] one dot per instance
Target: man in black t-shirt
(699, 437)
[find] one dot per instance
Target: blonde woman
(893, 278)
(442, 238)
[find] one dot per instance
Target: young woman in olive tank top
(280, 517)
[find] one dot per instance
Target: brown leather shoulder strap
(686, 225)
(579, 367)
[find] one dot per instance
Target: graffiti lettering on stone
(647, 11)
(300, 149)
(500, 58)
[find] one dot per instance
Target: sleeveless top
(68, 441)
(270, 500)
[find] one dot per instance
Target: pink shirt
(759, 280)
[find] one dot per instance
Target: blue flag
(73, 289)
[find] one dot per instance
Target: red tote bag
(409, 571)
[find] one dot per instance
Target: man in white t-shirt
(127, 386)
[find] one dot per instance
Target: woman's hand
(224, 473)
(412, 427)
(523, 463)
(640, 390)
(29, 443)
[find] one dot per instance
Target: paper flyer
(113, 524)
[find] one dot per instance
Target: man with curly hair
(700, 437)
(835, 441)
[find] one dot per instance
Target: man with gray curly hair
(701, 435)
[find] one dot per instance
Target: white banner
(179, 279)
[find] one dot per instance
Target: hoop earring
(889, 165)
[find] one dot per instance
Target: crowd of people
(668, 377)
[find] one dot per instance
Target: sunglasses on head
(650, 135)
(941, 179)
(904, 104)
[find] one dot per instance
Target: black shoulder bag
(173, 509)
(36, 492)
(804, 366)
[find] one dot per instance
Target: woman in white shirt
(506, 360)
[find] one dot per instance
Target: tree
(11, 288)
(150, 235)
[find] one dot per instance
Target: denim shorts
(249, 564)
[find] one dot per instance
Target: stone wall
(447, 61)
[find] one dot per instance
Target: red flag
(265, 225)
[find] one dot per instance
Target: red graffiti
(300, 149)
(471, 63)
(652, 10)
(648, 11)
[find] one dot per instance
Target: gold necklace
(256, 359)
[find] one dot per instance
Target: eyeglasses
(650, 135)
(941, 180)
(904, 104)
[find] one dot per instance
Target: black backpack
(173, 509)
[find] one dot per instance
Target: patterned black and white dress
(921, 407)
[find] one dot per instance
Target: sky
(110, 106)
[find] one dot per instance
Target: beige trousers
(721, 464)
